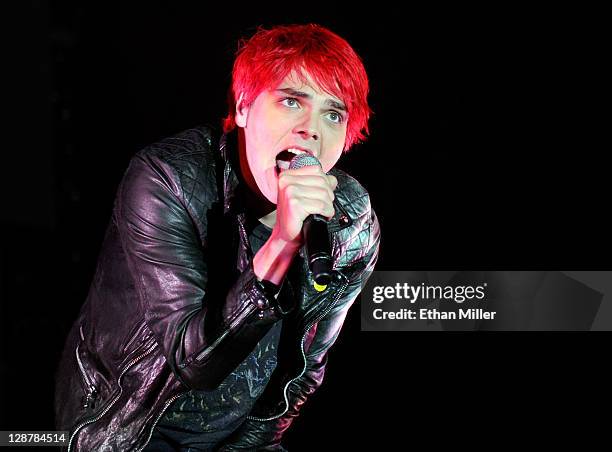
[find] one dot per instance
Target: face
(294, 114)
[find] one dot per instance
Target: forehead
(303, 82)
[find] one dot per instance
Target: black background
(483, 154)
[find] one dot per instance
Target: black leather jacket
(175, 305)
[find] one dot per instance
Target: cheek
(268, 125)
(330, 160)
(332, 156)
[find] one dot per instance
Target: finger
(323, 194)
(317, 207)
(304, 181)
(310, 191)
(333, 181)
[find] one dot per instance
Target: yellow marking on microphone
(320, 287)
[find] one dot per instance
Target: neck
(256, 203)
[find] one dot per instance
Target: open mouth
(283, 158)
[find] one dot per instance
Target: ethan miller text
(433, 314)
(471, 314)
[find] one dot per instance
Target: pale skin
(292, 114)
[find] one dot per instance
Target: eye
(290, 102)
(335, 117)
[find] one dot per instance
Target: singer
(204, 328)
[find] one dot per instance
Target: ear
(242, 111)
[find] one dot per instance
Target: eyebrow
(303, 95)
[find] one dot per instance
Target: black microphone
(316, 236)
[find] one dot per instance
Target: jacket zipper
(319, 317)
(248, 309)
(168, 403)
(90, 421)
(91, 388)
(245, 238)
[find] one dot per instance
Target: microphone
(316, 236)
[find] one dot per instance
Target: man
(203, 328)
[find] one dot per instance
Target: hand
(302, 192)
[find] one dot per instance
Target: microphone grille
(302, 160)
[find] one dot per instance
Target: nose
(308, 129)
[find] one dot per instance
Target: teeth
(296, 151)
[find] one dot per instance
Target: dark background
(483, 154)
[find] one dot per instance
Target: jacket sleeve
(201, 341)
(267, 435)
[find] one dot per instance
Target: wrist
(272, 261)
(289, 247)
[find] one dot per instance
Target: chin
(271, 192)
(272, 197)
(266, 191)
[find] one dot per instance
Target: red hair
(269, 56)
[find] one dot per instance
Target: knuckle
(290, 190)
(325, 194)
(283, 180)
